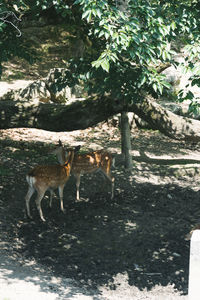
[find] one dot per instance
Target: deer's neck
(68, 164)
(61, 157)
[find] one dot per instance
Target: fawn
(87, 163)
(48, 177)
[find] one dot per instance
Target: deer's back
(91, 161)
(50, 175)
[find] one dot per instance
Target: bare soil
(130, 247)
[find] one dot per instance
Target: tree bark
(86, 113)
(126, 140)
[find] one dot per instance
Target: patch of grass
(4, 171)
(16, 75)
(19, 154)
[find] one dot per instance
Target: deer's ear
(60, 143)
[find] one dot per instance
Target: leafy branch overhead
(126, 44)
(9, 17)
(128, 41)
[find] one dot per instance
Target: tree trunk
(126, 140)
(83, 114)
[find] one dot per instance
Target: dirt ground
(130, 247)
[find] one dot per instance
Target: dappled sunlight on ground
(102, 248)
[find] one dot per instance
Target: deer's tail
(30, 180)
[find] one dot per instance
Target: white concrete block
(194, 267)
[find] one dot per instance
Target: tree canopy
(129, 42)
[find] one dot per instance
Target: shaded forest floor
(130, 247)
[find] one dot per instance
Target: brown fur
(45, 177)
(88, 163)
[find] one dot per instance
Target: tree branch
(87, 113)
(5, 19)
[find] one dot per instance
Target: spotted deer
(99, 160)
(48, 177)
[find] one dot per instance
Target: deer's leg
(60, 189)
(78, 180)
(28, 198)
(38, 203)
(111, 179)
(112, 187)
(51, 197)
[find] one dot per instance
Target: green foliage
(136, 39)
(191, 67)
(11, 42)
(194, 108)
(62, 8)
(4, 171)
(194, 105)
(127, 44)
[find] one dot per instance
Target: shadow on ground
(141, 232)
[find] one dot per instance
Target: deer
(99, 160)
(48, 177)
